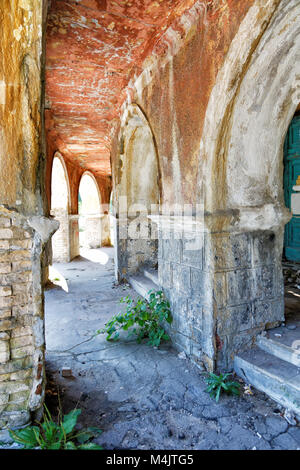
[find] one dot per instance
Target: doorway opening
(60, 203)
(291, 252)
(89, 210)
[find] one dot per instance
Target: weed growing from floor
(216, 384)
(143, 318)
(49, 435)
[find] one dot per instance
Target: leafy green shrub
(51, 436)
(142, 318)
(219, 383)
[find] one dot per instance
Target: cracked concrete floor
(142, 398)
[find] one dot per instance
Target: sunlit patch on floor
(58, 279)
(96, 256)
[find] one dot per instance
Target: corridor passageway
(139, 396)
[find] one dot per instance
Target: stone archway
(89, 208)
(241, 157)
(138, 195)
(60, 207)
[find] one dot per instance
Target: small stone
(276, 425)
(182, 355)
(291, 326)
(66, 372)
(290, 417)
(278, 335)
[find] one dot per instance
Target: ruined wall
(23, 229)
(174, 88)
(137, 195)
(219, 92)
(173, 92)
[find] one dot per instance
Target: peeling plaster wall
(24, 231)
(20, 103)
(174, 87)
(248, 166)
(219, 91)
(137, 194)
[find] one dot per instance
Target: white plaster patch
(267, 217)
(43, 226)
(26, 4)
(2, 91)
(18, 33)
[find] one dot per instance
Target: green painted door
(291, 173)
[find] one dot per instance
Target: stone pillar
(92, 230)
(248, 289)
(187, 281)
(61, 239)
(74, 235)
(65, 242)
(105, 230)
(136, 245)
(225, 287)
(21, 317)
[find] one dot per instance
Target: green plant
(142, 318)
(219, 383)
(52, 436)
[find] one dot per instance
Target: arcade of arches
(181, 108)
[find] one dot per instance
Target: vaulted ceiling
(93, 49)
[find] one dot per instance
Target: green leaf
(70, 420)
(26, 436)
(54, 446)
(218, 394)
(88, 434)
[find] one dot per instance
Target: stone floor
(142, 398)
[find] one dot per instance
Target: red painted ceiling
(93, 49)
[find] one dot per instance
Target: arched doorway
(292, 189)
(291, 251)
(89, 209)
(60, 203)
(138, 196)
(241, 170)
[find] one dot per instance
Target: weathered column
(74, 235)
(136, 245)
(248, 282)
(65, 242)
(187, 280)
(23, 229)
(61, 239)
(22, 380)
(91, 224)
(105, 230)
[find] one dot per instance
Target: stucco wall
(24, 230)
(219, 92)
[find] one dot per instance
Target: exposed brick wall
(91, 237)
(65, 242)
(61, 239)
(21, 323)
